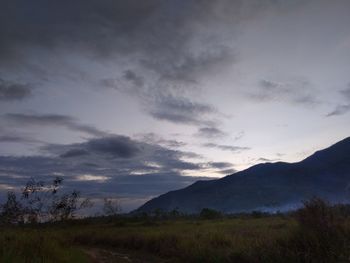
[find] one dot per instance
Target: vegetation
(208, 213)
(180, 240)
(41, 203)
(318, 232)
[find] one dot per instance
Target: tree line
(39, 202)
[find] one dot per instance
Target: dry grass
(317, 233)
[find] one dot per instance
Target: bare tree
(66, 206)
(40, 202)
(11, 212)
(111, 207)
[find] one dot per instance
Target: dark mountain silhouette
(267, 187)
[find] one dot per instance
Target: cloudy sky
(130, 99)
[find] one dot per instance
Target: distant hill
(267, 187)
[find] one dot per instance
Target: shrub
(320, 236)
(317, 215)
(11, 212)
(208, 213)
(111, 207)
(41, 203)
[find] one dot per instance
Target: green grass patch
(315, 234)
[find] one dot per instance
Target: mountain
(267, 187)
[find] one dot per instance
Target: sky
(131, 99)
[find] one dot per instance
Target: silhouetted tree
(110, 207)
(11, 212)
(40, 202)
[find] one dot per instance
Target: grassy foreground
(315, 235)
(180, 240)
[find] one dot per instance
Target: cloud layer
(52, 120)
(342, 108)
(231, 148)
(162, 62)
(189, 83)
(115, 166)
(10, 91)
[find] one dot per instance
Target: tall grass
(317, 233)
(322, 236)
(29, 245)
(190, 241)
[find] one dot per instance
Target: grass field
(182, 240)
(318, 236)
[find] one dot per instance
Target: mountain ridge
(267, 186)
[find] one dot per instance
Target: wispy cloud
(10, 91)
(162, 60)
(297, 91)
(18, 139)
(122, 167)
(220, 165)
(210, 132)
(339, 110)
(227, 171)
(239, 135)
(266, 160)
(127, 154)
(52, 120)
(164, 101)
(181, 110)
(346, 93)
(234, 149)
(343, 108)
(156, 139)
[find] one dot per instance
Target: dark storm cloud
(230, 148)
(10, 91)
(52, 120)
(297, 92)
(210, 132)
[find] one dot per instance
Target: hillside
(267, 187)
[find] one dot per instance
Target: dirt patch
(100, 255)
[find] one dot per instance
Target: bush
(11, 212)
(208, 213)
(41, 203)
(317, 215)
(320, 236)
